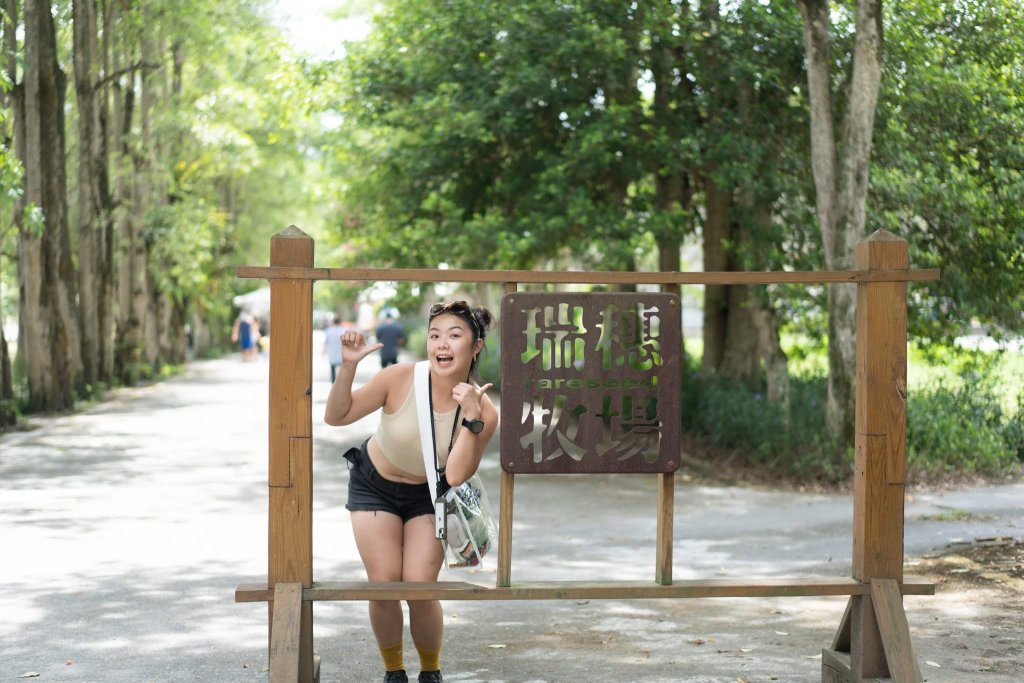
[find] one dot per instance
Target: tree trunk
(126, 351)
(673, 193)
(841, 181)
(717, 234)
(149, 304)
(8, 412)
(49, 342)
(740, 359)
(94, 260)
(134, 276)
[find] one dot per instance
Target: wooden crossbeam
(586, 277)
(583, 590)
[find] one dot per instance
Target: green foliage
(525, 135)
(10, 192)
(960, 430)
(793, 443)
(954, 426)
(244, 128)
(1013, 430)
(513, 135)
(949, 159)
(185, 240)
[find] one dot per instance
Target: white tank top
(398, 436)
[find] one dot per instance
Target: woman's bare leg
(378, 537)
(421, 561)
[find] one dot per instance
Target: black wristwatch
(475, 426)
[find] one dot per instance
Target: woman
(388, 497)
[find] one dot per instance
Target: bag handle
(421, 379)
(424, 396)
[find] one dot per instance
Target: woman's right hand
(354, 347)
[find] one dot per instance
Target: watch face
(475, 426)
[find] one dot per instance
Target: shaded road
(124, 530)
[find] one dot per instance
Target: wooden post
(290, 537)
(880, 442)
(284, 644)
(666, 513)
(504, 576)
(666, 497)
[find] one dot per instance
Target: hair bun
(483, 318)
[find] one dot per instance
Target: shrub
(793, 443)
(951, 428)
(960, 429)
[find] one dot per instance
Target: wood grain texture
(874, 627)
(577, 590)
(835, 666)
(290, 431)
(666, 515)
(880, 415)
(505, 508)
(284, 641)
(892, 623)
(867, 656)
(584, 277)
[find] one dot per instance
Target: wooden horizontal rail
(587, 277)
(582, 590)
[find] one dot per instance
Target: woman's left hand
(469, 397)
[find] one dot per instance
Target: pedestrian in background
(332, 344)
(245, 333)
(391, 334)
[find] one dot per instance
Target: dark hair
(478, 317)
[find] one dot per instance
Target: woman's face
(450, 346)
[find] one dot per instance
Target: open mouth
(444, 360)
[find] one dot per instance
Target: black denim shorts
(368, 491)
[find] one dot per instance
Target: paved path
(125, 528)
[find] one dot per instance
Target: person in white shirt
(332, 345)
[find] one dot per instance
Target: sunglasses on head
(457, 307)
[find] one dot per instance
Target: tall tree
(95, 227)
(840, 166)
(10, 189)
(950, 160)
(48, 330)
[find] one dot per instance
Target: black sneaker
(431, 677)
(396, 676)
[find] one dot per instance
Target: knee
(385, 575)
(384, 605)
(423, 606)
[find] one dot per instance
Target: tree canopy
(486, 134)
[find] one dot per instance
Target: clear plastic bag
(471, 526)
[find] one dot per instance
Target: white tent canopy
(256, 302)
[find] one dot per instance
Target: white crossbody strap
(421, 374)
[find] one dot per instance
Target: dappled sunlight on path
(125, 529)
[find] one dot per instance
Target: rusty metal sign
(590, 382)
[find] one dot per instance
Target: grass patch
(953, 515)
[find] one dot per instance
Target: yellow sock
(430, 660)
(392, 656)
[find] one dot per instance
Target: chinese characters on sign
(590, 382)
